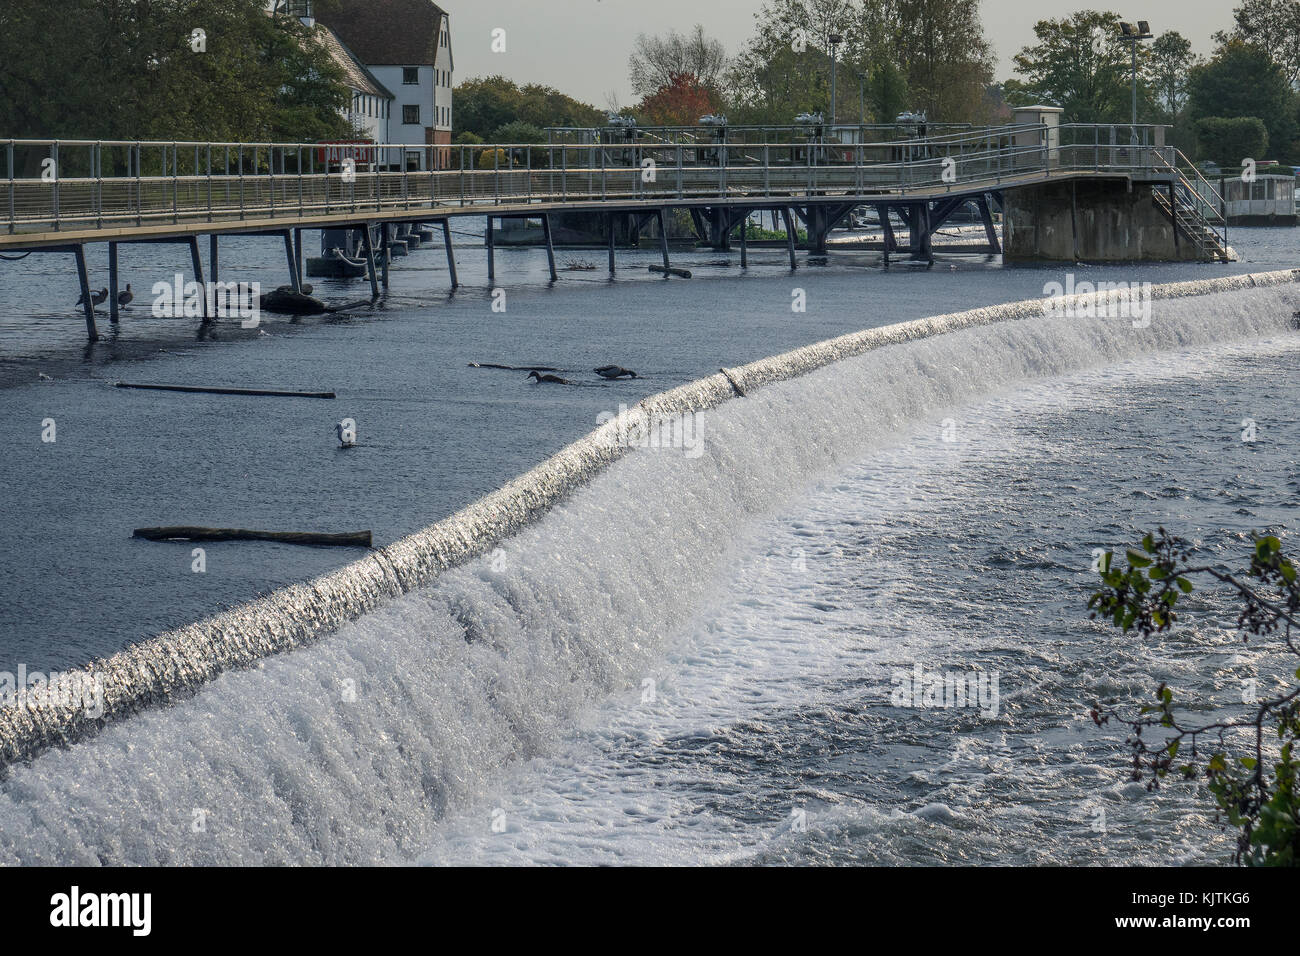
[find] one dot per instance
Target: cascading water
(349, 750)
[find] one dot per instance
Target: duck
(125, 298)
(553, 379)
(614, 371)
(97, 298)
(347, 434)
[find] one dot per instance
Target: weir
(179, 663)
(240, 188)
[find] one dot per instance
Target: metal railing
(58, 185)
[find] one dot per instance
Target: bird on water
(97, 298)
(347, 434)
(614, 371)
(125, 298)
(554, 379)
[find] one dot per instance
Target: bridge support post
(492, 258)
(297, 256)
(386, 253)
(197, 263)
(368, 242)
(990, 230)
(451, 255)
(112, 281)
(789, 235)
(609, 221)
(887, 229)
(744, 240)
(294, 281)
(663, 237)
(550, 247)
(214, 260)
(79, 253)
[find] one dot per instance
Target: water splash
(474, 668)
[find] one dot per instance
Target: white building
(406, 46)
(371, 108)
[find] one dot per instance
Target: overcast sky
(581, 46)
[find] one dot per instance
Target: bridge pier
(214, 259)
(451, 255)
(79, 252)
(550, 246)
(112, 282)
(368, 243)
(789, 235)
(1107, 220)
(385, 250)
(609, 221)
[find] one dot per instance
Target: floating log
(221, 390)
(514, 368)
(680, 273)
(348, 539)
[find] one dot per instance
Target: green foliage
(1170, 66)
(936, 46)
(1080, 64)
(1243, 80)
(126, 69)
(1229, 139)
(518, 132)
(485, 105)
(493, 159)
(1254, 774)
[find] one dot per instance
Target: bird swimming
(555, 379)
(42, 377)
(125, 298)
(614, 371)
(97, 298)
(347, 432)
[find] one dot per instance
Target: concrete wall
(1089, 221)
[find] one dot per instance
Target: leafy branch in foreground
(1256, 787)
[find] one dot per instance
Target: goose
(555, 379)
(97, 298)
(124, 298)
(42, 377)
(614, 371)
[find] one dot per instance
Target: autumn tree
(656, 60)
(679, 102)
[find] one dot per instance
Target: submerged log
(681, 273)
(224, 390)
(347, 539)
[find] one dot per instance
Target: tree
(656, 60)
(937, 46)
(130, 69)
(484, 105)
(1250, 763)
(680, 102)
(1170, 66)
(1243, 80)
(944, 55)
(518, 132)
(1229, 140)
(1273, 26)
(1080, 64)
(886, 92)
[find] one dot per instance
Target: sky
(581, 46)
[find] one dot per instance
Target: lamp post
(1132, 35)
(836, 39)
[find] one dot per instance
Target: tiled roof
(354, 71)
(389, 32)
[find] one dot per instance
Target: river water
(691, 660)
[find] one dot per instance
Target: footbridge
(1065, 192)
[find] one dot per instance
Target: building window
(411, 75)
(412, 160)
(411, 114)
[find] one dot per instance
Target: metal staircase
(1196, 209)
